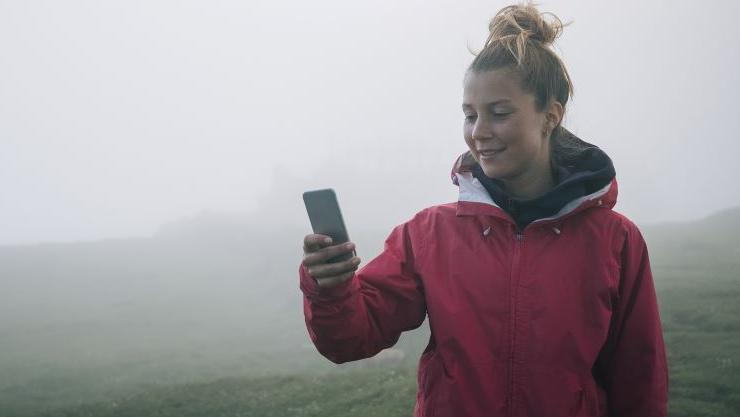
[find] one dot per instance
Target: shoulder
(428, 221)
(610, 228)
(446, 209)
(419, 231)
(624, 223)
(433, 215)
(622, 227)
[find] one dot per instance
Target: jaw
(522, 181)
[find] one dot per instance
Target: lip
(490, 152)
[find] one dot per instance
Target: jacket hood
(583, 172)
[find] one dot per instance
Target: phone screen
(326, 218)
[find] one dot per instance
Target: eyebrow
(493, 103)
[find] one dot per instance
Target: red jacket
(557, 320)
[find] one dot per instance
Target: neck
(531, 184)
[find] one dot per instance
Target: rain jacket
(558, 319)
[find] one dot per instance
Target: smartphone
(326, 218)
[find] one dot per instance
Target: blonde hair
(520, 39)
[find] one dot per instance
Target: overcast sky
(119, 116)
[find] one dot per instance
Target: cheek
(468, 134)
(532, 140)
(516, 133)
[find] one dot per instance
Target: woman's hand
(317, 249)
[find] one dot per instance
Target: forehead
(490, 86)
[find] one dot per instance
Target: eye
(470, 117)
(500, 115)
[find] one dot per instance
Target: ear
(553, 115)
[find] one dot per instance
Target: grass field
(702, 324)
(158, 347)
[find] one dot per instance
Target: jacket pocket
(564, 395)
(589, 405)
(430, 377)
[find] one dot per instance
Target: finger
(331, 270)
(334, 269)
(314, 242)
(323, 255)
(334, 281)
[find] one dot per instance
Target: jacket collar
(474, 199)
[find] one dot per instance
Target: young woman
(539, 296)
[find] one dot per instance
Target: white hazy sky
(118, 116)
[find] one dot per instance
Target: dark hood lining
(580, 169)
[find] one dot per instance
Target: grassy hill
(205, 319)
(359, 394)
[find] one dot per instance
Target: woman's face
(504, 131)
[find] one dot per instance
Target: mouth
(489, 153)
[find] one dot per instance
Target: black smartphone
(326, 218)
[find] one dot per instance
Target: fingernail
(327, 240)
(356, 261)
(349, 246)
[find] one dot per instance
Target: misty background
(118, 117)
(153, 155)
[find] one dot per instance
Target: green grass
(379, 392)
(156, 328)
(701, 322)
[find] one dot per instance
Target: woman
(539, 296)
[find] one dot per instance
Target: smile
(490, 153)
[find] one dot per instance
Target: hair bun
(519, 40)
(521, 23)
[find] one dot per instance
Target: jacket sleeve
(633, 360)
(367, 313)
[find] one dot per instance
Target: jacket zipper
(519, 239)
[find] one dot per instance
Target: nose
(481, 130)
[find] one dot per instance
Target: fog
(153, 155)
(117, 117)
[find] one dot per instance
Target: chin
(494, 172)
